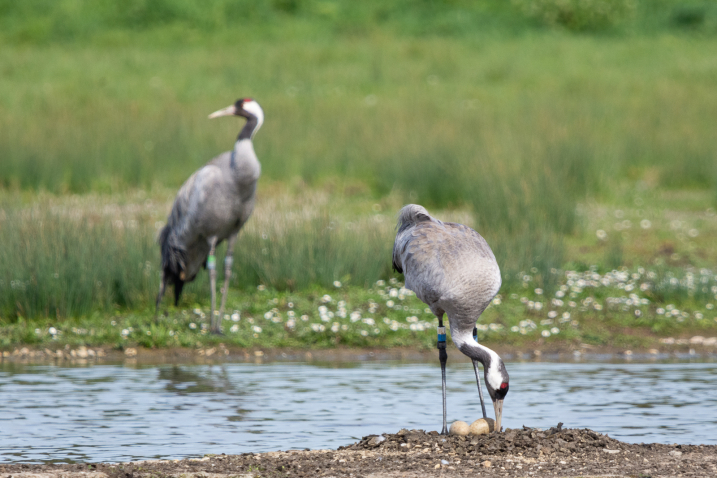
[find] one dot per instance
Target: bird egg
(459, 428)
(482, 426)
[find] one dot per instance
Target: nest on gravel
(529, 442)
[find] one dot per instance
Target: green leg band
(211, 263)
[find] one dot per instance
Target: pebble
(376, 441)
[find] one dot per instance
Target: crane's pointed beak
(228, 111)
(498, 406)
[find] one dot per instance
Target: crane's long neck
(244, 163)
(488, 358)
(251, 127)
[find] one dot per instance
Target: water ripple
(114, 413)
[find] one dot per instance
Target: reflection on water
(116, 413)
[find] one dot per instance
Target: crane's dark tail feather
(173, 261)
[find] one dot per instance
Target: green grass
(79, 263)
(71, 256)
(587, 308)
(525, 120)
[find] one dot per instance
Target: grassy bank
(647, 278)
(611, 309)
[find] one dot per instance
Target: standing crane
(452, 269)
(211, 206)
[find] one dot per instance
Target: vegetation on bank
(588, 308)
(555, 128)
(638, 286)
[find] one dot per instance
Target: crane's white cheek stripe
(494, 376)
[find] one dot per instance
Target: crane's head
(497, 382)
(245, 107)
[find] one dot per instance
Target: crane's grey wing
(447, 265)
(465, 241)
(415, 253)
(191, 208)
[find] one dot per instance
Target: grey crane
(452, 269)
(211, 206)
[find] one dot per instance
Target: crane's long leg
(442, 357)
(480, 389)
(228, 260)
(475, 368)
(162, 288)
(212, 267)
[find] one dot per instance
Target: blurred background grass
(514, 112)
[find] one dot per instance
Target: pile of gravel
(530, 442)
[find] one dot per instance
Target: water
(118, 413)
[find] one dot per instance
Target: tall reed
(72, 258)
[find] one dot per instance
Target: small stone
(437, 466)
(482, 426)
(130, 352)
(376, 441)
(486, 464)
(675, 453)
(459, 428)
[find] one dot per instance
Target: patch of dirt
(526, 452)
(679, 348)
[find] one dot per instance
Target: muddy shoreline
(538, 352)
(528, 452)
